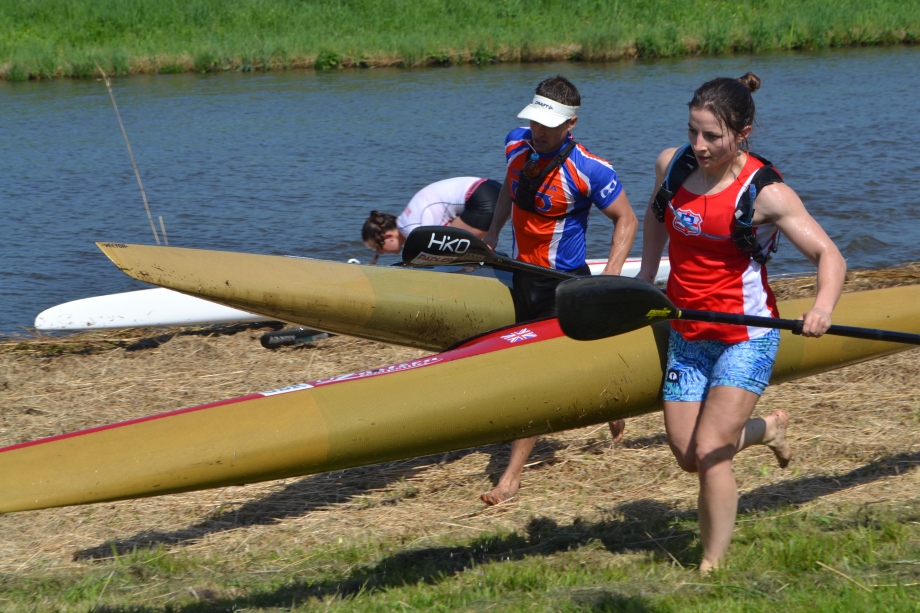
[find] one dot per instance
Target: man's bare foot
(707, 567)
(500, 493)
(775, 437)
(616, 430)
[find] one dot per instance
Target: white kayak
(631, 268)
(141, 308)
(165, 307)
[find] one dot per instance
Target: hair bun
(750, 81)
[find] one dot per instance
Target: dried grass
(787, 288)
(854, 433)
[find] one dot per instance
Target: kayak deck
(428, 310)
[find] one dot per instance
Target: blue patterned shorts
(695, 366)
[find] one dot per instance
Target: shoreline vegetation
(45, 39)
(596, 527)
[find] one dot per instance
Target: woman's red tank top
(714, 274)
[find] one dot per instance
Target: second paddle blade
(597, 307)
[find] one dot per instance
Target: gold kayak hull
(520, 381)
(424, 309)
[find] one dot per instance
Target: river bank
(595, 527)
(57, 38)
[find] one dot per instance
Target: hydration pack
(742, 229)
(528, 187)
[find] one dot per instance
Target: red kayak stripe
(497, 340)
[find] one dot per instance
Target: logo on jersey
(520, 335)
(687, 222)
(539, 197)
(547, 202)
(446, 244)
(609, 189)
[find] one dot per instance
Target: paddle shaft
(516, 265)
(795, 325)
(591, 308)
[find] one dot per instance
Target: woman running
(718, 246)
(463, 202)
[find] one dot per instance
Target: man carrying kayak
(463, 202)
(550, 186)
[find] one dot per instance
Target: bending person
(550, 186)
(463, 202)
(718, 246)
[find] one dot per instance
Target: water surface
(291, 163)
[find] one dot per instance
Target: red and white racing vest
(714, 274)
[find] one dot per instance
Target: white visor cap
(547, 112)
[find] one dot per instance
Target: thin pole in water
(108, 86)
(163, 230)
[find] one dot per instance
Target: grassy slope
(65, 37)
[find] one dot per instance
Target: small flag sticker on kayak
(520, 335)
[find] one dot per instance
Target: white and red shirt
(714, 274)
(437, 204)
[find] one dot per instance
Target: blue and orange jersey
(556, 237)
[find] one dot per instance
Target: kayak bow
(428, 310)
(431, 310)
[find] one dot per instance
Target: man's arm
(620, 212)
(654, 238)
(501, 215)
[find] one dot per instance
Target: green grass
(856, 559)
(49, 38)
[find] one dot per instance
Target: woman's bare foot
(616, 430)
(500, 493)
(707, 567)
(775, 437)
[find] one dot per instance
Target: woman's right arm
(654, 234)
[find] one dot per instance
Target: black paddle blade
(597, 307)
(443, 245)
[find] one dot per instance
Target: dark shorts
(480, 206)
(535, 295)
